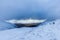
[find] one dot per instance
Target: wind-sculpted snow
(48, 31)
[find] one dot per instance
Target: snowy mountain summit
(26, 22)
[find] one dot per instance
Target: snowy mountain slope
(49, 31)
(5, 26)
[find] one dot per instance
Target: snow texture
(48, 31)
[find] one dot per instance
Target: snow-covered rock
(49, 31)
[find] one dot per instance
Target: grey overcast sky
(16, 9)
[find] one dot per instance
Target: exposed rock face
(27, 25)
